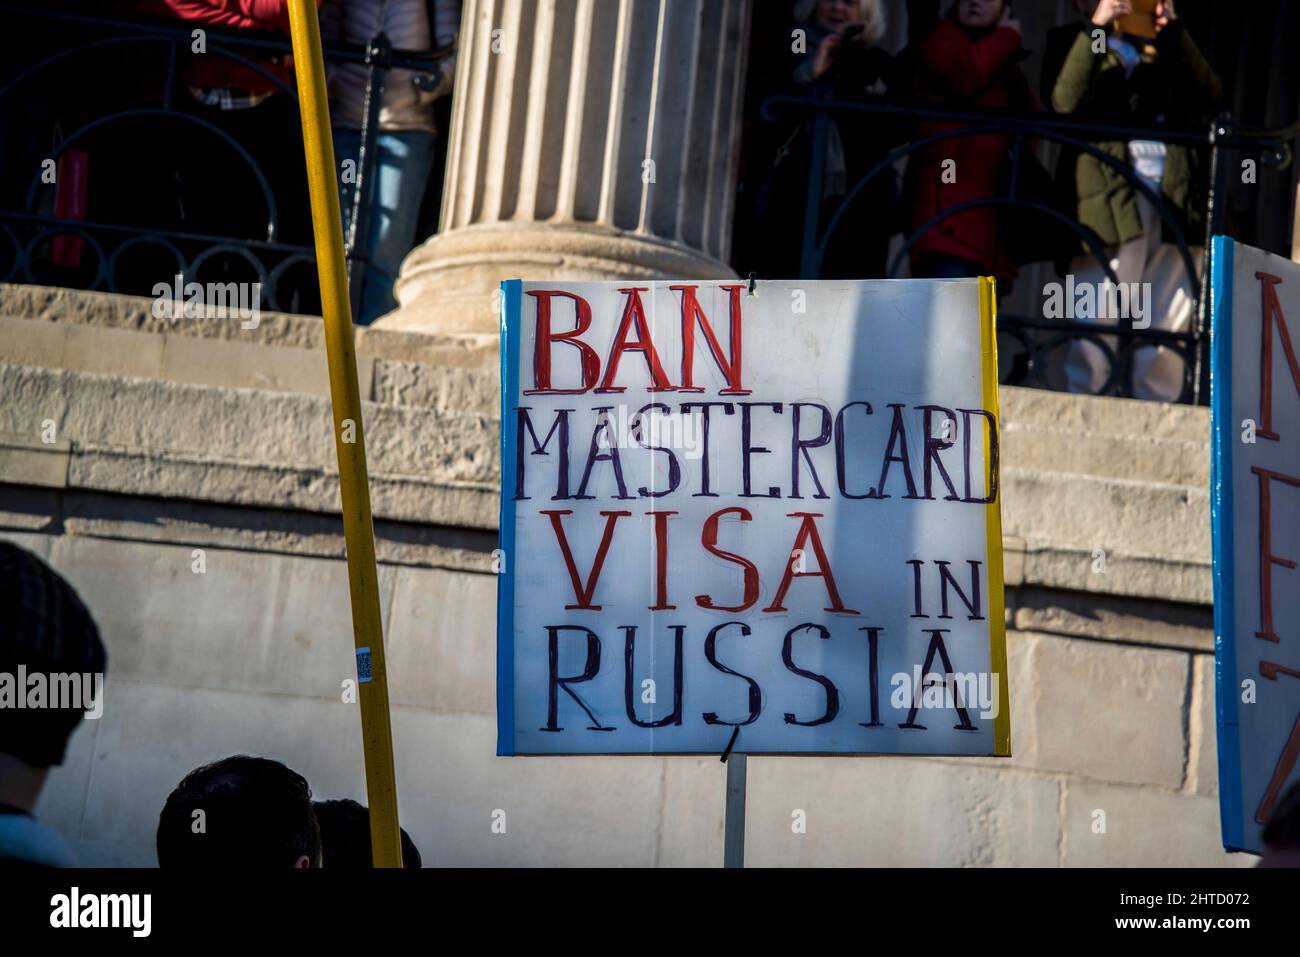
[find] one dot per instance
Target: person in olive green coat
(1094, 73)
(1178, 87)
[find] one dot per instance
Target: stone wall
(177, 435)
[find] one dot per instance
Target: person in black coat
(829, 51)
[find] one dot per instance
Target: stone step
(111, 334)
(154, 438)
(178, 356)
(1104, 415)
(445, 372)
(1151, 458)
(160, 439)
(1108, 514)
(1115, 536)
(1031, 436)
(1100, 494)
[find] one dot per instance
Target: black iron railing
(1034, 338)
(284, 267)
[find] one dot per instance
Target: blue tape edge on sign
(511, 295)
(1224, 433)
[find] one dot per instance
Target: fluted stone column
(591, 139)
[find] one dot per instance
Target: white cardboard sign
(775, 510)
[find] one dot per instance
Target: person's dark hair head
(255, 813)
(44, 627)
(345, 835)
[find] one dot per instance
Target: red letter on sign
(1272, 312)
(634, 314)
(691, 313)
(1290, 751)
(583, 592)
(661, 562)
(1266, 557)
(542, 344)
(808, 532)
(709, 539)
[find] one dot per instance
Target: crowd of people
(240, 811)
(909, 175)
(199, 137)
(253, 104)
(1112, 67)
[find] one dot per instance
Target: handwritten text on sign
(1256, 516)
(774, 510)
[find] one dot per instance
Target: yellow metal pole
(349, 441)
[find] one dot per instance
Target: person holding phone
(839, 33)
(1131, 82)
(836, 56)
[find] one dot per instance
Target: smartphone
(1141, 22)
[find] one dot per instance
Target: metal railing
(31, 232)
(1036, 338)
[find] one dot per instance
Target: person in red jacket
(240, 14)
(226, 79)
(219, 192)
(971, 61)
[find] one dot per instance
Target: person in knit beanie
(52, 665)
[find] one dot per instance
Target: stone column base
(448, 284)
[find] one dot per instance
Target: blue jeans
(400, 166)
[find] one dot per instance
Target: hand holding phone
(1108, 11)
(1009, 20)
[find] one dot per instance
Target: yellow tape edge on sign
(993, 520)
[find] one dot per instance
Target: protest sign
(1256, 519)
(771, 507)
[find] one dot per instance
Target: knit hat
(46, 629)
